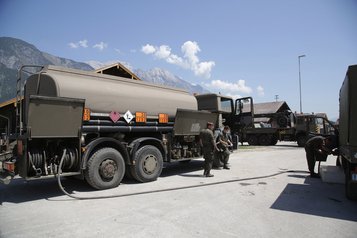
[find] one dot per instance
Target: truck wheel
(283, 121)
(273, 140)
(350, 186)
(148, 164)
(264, 140)
(301, 140)
(105, 169)
(252, 140)
(338, 161)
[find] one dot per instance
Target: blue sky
(245, 48)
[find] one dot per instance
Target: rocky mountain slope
(15, 52)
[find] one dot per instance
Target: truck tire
(274, 140)
(283, 121)
(338, 161)
(148, 164)
(105, 169)
(252, 140)
(301, 140)
(350, 186)
(264, 140)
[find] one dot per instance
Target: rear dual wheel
(105, 168)
(148, 164)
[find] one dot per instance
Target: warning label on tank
(114, 116)
(128, 116)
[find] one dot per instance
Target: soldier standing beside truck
(208, 147)
(224, 143)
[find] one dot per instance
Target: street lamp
(300, 56)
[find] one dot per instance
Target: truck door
(244, 113)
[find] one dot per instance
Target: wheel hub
(108, 168)
(150, 164)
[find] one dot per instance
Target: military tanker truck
(348, 131)
(98, 127)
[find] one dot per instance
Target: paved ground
(267, 193)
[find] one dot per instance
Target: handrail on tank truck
(20, 84)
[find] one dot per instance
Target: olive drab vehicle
(282, 126)
(348, 131)
(96, 126)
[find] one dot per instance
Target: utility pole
(300, 56)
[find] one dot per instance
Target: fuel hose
(162, 190)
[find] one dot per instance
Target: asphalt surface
(267, 193)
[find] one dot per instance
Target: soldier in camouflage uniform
(317, 149)
(208, 147)
(224, 143)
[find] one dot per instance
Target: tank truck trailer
(283, 126)
(97, 127)
(348, 131)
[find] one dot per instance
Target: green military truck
(267, 127)
(348, 131)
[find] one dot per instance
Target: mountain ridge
(15, 52)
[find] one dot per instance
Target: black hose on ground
(161, 190)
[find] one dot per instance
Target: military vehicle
(348, 131)
(267, 128)
(96, 126)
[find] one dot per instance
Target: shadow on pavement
(182, 168)
(20, 190)
(317, 198)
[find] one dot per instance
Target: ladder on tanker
(20, 84)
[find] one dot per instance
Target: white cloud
(174, 59)
(148, 49)
(222, 86)
(189, 60)
(203, 69)
(260, 91)
(234, 96)
(81, 43)
(100, 46)
(163, 52)
(190, 49)
(73, 45)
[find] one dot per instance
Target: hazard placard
(128, 116)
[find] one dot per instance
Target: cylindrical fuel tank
(106, 93)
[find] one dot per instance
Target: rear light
(86, 114)
(9, 166)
